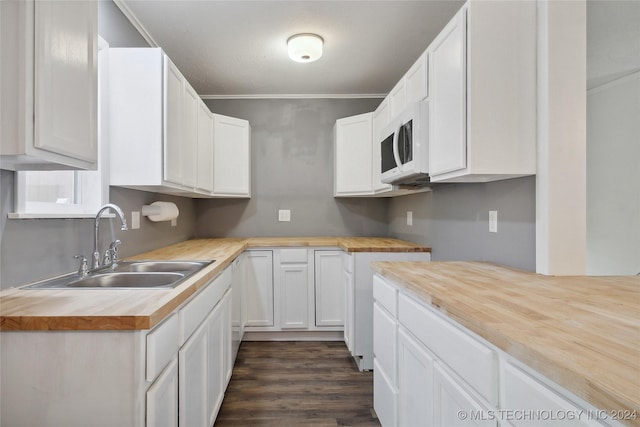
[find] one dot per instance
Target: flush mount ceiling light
(305, 47)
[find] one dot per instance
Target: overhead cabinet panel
(49, 75)
(164, 138)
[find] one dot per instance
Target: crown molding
(135, 22)
(299, 96)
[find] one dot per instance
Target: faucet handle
(111, 255)
(83, 270)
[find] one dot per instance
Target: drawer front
(386, 295)
(385, 397)
(194, 313)
(298, 256)
(162, 345)
(384, 341)
(468, 357)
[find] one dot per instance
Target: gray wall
(33, 249)
(454, 220)
(292, 168)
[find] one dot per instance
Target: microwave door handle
(396, 153)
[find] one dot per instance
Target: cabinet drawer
(386, 295)
(194, 313)
(468, 357)
(298, 256)
(384, 341)
(385, 397)
(162, 345)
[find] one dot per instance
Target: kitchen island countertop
(582, 332)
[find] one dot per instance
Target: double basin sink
(128, 275)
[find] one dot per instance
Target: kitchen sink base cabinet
(172, 375)
(431, 371)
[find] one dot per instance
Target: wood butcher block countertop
(581, 332)
(131, 309)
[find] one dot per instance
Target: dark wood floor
(288, 384)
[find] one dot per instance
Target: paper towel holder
(160, 211)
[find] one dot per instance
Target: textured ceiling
(239, 47)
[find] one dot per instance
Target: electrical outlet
(174, 222)
(493, 221)
(284, 215)
(135, 220)
(409, 217)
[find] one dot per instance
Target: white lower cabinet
(162, 398)
(415, 382)
(454, 406)
(294, 311)
(431, 371)
(258, 290)
(293, 289)
(218, 372)
(192, 374)
(329, 295)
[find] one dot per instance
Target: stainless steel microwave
(404, 149)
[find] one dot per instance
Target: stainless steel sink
(159, 266)
(128, 275)
(128, 280)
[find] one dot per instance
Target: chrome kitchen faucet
(110, 255)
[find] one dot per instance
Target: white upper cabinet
(190, 104)
(231, 157)
(353, 155)
(204, 178)
(173, 128)
(416, 80)
(380, 120)
(164, 139)
(49, 95)
(482, 94)
(397, 99)
(447, 102)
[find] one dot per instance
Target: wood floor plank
(294, 384)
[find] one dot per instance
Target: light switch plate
(409, 217)
(135, 220)
(174, 222)
(493, 221)
(284, 215)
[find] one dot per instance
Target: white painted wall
(561, 169)
(613, 177)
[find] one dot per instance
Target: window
(69, 194)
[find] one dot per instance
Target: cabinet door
(447, 102)
(204, 179)
(227, 339)
(215, 361)
(258, 291)
(451, 400)
(193, 384)
(190, 103)
(397, 99)
(162, 398)
(415, 383)
(232, 157)
(353, 155)
(349, 310)
(329, 292)
(380, 120)
(293, 296)
(66, 75)
(237, 312)
(416, 80)
(173, 87)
